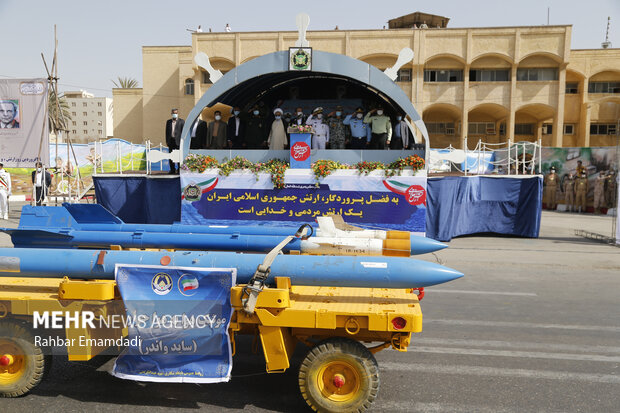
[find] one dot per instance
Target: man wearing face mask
(401, 138)
(581, 192)
(360, 131)
(337, 129)
(5, 192)
(236, 130)
(41, 179)
(278, 139)
(216, 133)
(174, 127)
(381, 128)
(256, 130)
(298, 117)
(320, 139)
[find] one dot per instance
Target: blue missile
(69, 225)
(336, 271)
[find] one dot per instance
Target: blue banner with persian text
(178, 322)
(242, 198)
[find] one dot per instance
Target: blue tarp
(469, 205)
(140, 200)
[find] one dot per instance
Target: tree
(125, 83)
(58, 120)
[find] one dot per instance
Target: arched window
(189, 86)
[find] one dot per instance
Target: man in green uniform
(599, 192)
(581, 191)
(381, 128)
(551, 181)
(569, 193)
(337, 129)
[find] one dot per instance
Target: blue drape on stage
(468, 205)
(140, 199)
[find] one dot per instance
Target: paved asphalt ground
(534, 326)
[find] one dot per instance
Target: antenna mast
(607, 44)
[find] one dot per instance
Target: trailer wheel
(339, 375)
(22, 363)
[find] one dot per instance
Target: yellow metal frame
(283, 316)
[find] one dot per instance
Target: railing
(520, 158)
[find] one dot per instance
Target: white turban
(277, 110)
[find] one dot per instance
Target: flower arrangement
(414, 161)
(198, 163)
(277, 167)
(300, 129)
(366, 167)
(238, 162)
(324, 167)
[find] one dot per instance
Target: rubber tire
(33, 355)
(355, 354)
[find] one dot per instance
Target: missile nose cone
(423, 245)
(431, 273)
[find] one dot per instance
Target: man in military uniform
(599, 192)
(580, 169)
(581, 192)
(569, 193)
(360, 131)
(611, 188)
(551, 181)
(321, 130)
(337, 129)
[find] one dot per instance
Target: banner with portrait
(23, 124)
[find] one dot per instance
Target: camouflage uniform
(337, 133)
(569, 193)
(611, 190)
(599, 193)
(581, 191)
(551, 181)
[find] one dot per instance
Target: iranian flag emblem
(188, 284)
(414, 194)
(193, 192)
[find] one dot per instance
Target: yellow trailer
(343, 328)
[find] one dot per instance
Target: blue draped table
(461, 205)
(455, 205)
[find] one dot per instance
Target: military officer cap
(553, 168)
(359, 110)
(339, 107)
(318, 110)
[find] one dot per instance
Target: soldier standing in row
(569, 193)
(581, 191)
(599, 192)
(580, 168)
(337, 129)
(551, 181)
(611, 193)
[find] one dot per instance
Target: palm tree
(125, 83)
(58, 119)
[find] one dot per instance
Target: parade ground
(533, 326)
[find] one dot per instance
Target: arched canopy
(266, 72)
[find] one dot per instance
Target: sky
(101, 40)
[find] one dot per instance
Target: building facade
(92, 117)
(498, 84)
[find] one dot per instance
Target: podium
(300, 150)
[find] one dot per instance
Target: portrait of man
(9, 114)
